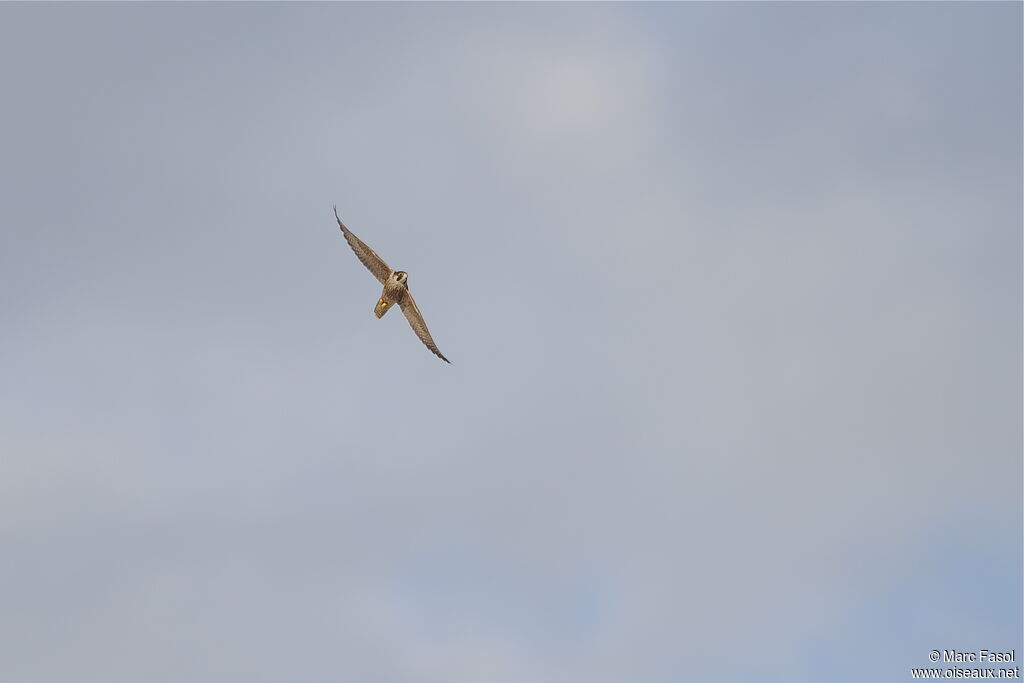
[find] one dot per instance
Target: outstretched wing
(415, 318)
(375, 264)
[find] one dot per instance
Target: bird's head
(401, 276)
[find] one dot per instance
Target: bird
(396, 288)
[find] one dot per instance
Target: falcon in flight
(396, 288)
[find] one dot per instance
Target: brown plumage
(396, 288)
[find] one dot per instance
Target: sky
(732, 294)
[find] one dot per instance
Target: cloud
(734, 332)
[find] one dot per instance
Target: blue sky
(732, 293)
